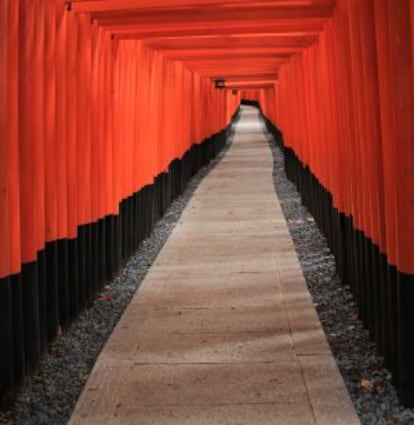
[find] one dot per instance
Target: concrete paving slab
(268, 318)
(326, 390)
(99, 400)
(206, 384)
(231, 279)
(270, 347)
(195, 296)
(221, 266)
(223, 329)
(236, 414)
(127, 335)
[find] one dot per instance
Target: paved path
(223, 329)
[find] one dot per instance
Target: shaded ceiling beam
(252, 86)
(232, 42)
(111, 5)
(231, 70)
(309, 27)
(220, 56)
(272, 76)
(225, 74)
(237, 61)
(126, 34)
(218, 16)
(247, 83)
(196, 54)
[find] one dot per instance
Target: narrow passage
(223, 329)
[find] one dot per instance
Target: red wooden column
(387, 102)
(402, 115)
(61, 161)
(71, 124)
(37, 93)
(83, 156)
(358, 161)
(11, 97)
(361, 222)
(51, 172)
(7, 29)
(374, 183)
(29, 181)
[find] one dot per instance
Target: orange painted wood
(28, 152)
(51, 168)
(117, 89)
(5, 236)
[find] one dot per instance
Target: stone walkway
(223, 329)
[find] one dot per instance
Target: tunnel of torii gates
(109, 106)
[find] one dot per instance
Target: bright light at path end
(250, 121)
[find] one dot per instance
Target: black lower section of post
(405, 296)
(31, 316)
(384, 295)
(7, 376)
(69, 273)
(52, 289)
(18, 328)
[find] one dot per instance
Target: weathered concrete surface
(223, 329)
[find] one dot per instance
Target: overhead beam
(272, 76)
(232, 70)
(309, 27)
(231, 42)
(111, 5)
(240, 83)
(206, 55)
(218, 16)
(252, 86)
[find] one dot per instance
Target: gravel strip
(368, 382)
(48, 398)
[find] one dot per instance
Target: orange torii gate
(108, 107)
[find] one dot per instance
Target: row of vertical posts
(345, 107)
(96, 137)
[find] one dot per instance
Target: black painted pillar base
(52, 289)
(7, 376)
(405, 308)
(18, 328)
(63, 270)
(31, 318)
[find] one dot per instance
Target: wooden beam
(113, 5)
(231, 42)
(216, 15)
(308, 27)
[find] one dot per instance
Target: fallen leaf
(83, 377)
(105, 297)
(366, 384)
